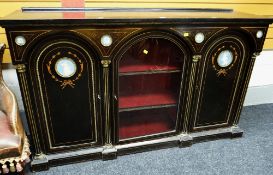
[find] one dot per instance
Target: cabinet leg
(39, 163)
(236, 132)
(185, 140)
(109, 152)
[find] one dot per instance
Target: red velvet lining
(144, 90)
(152, 54)
(146, 122)
(148, 90)
(147, 99)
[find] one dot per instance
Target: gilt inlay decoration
(64, 82)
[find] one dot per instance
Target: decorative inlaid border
(220, 70)
(65, 82)
(44, 106)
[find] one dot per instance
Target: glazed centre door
(150, 74)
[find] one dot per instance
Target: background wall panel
(268, 44)
(164, 1)
(9, 7)
(254, 8)
(270, 33)
(261, 7)
(3, 39)
(7, 58)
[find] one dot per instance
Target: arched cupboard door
(150, 73)
(221, 78)
(65, 76)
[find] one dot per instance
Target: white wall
(260, 88)
(263, 70)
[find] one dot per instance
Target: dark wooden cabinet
(97, 85)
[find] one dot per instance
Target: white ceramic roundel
(225, 58)
(259, 34)
(20, 40)
(65, 67)
(199, 37)
(106, 40)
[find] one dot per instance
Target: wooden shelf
(146, 107)
(148, 72)
(146, 122)
(146, 68)
(153, 99)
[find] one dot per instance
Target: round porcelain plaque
(259, 34)
(225, 58)
(20, 40)
(106, 40)
(199, 38)
(65, 67)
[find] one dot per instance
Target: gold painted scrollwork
(223, 71)
(63, 81)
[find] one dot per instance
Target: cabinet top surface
(49, 16)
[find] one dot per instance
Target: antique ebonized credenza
(97, 83)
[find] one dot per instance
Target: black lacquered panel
(67, 81)
(219, 81)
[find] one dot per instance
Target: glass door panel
(149, 87)
(148, 90)
(146, 122)
(151, 55)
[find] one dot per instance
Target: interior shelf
(136, 100)
(146, 107)
(146, 68)
(146, 122)
(149, 72)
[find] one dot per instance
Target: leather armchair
(14, 147)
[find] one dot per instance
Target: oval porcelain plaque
(225, 58)
(65, 67)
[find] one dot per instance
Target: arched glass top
(152, 54)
